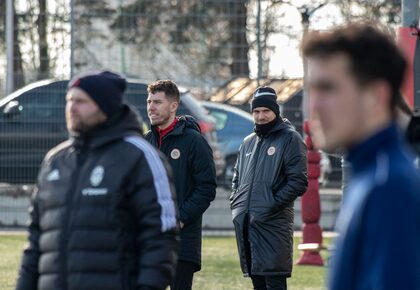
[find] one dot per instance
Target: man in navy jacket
(191, 159)
(355, 74)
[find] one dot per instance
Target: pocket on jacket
(262, 203)
(239, 200)
(238, 195)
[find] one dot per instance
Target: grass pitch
(220, 270)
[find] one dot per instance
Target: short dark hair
(373, 54)
(167, 86)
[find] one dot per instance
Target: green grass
(221, 269)
(10, 252)
(220, 266)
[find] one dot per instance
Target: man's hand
(181, 225)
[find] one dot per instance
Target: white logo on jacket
(53, 175)
(97, 175)
(94, 191)
(271, 150)
(175, 154)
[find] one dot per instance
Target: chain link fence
(201, 44)
(198, 43)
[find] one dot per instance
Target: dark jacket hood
(282, 124)
(188, 121)
(125, 122)
(184, 122)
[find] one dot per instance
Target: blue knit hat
(105, 88)
(265, 97)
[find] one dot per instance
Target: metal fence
(198, 43)
(201, 44)
(14, 214)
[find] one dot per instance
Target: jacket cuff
(152, 279)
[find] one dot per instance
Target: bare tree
(19, 77)
(44, 60)
(209, 36)
(238, 32)
(385, 12)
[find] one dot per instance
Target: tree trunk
(2, 20)
(237, 27)
(44, 64)
(18, 77)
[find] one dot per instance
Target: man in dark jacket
(270, 173)
(355, 74)
(103, 215)
(409, 121)
(192, 162)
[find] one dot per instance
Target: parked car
(32, 121)
(232, 126)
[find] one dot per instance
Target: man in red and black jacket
(191, 158)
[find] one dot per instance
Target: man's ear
(380, 95)
(174, 106)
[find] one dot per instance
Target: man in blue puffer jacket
(355, 74)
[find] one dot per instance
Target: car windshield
(221, 119)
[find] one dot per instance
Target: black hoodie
(192, 163)
(103, 215)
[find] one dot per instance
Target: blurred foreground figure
(355, 74)
(103, 215)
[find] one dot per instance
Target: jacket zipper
(69, 205)
(255, 161)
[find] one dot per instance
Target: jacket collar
(176, 128)
(163, 132)
(281, 124)
(182, 123)
(364, 154)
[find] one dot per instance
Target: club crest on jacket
(97, 175)
(175, 154)
(271, 150)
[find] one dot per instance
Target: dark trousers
(184, 276)
(269, 282)
(261, 282)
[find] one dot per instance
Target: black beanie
(265, 97)
(105, 88)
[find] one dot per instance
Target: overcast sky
(286, 59)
